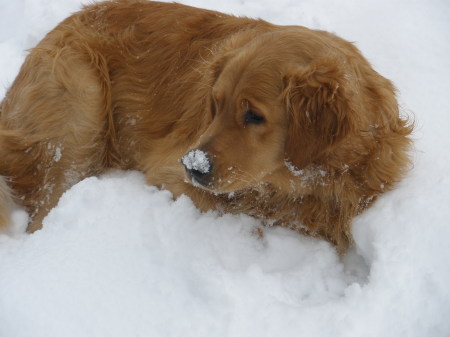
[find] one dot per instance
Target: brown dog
(284, 123)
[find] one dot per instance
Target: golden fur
(136, 85)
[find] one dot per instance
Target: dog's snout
(198, 166)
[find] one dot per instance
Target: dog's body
(295, 125)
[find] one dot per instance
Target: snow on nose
(196, 160)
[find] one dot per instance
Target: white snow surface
(196, 160)
(119, 258)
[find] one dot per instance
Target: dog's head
(274, 105)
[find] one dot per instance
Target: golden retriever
(284, 123)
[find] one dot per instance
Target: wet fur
(135, 85)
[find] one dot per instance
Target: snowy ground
(118, 258)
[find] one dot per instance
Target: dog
(283, 123)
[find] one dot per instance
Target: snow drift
(119, 258)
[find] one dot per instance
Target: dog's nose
(198, 166)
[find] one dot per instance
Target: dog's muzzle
(198, 166)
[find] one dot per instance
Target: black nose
(198, 166)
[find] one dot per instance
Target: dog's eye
(252, 117)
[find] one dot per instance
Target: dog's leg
(5, 205)
(54, 126)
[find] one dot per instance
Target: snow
(119, 258)
(58, 154)
(308, 175)
(196, 160)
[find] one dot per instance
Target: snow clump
(196, 160)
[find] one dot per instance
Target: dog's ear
(320, 110)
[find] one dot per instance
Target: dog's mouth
(202, 173)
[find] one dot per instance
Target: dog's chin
(229, 192)
(214, 188)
